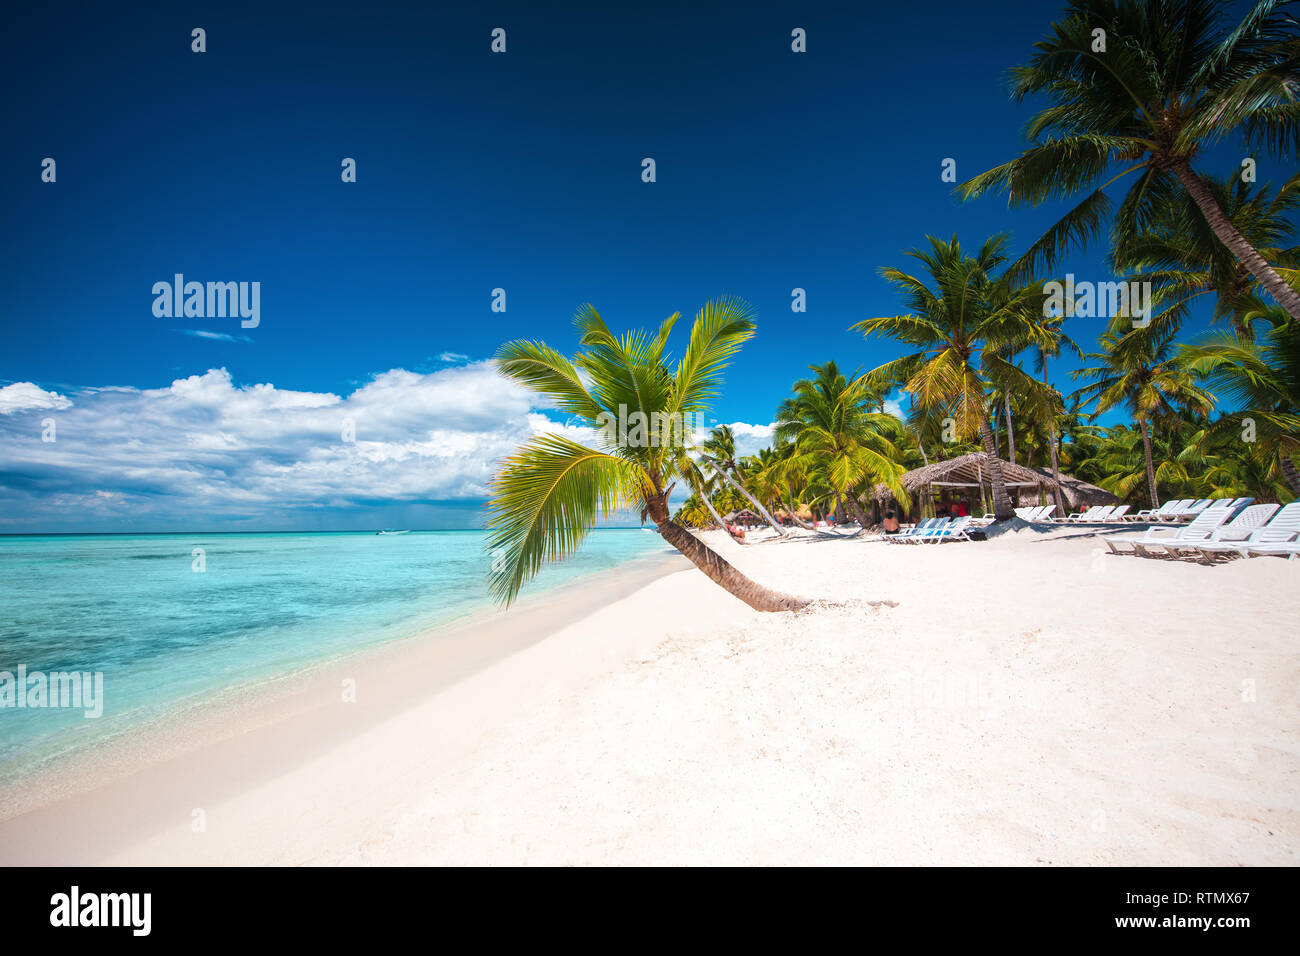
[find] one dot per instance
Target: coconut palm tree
(704, 489)
(1264, 378)
(830, 420)
(962, 322)
(1050, 404)
(764, 472)
(1143, 86)
(718, 451)
(553, 490)
(1118, 460)
(1141, 370)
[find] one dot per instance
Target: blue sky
(475, 171)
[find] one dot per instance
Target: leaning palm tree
(788, 475)
(1143, 86)
(553, 490)
(1179, 252)
(703, 489)
(830, 421)
(963, 323)
(1263, 378)
(762, 473)
(1141, 370)
(718, 451)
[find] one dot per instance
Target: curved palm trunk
(794, 517)
(1056, 476)
(736, 483)
(1053, 444)
(718, 518)
(723, 471)
(856, 508)
(911, 404)
(718, 569)
(1151, 468)
(1002, 510)
(1011, 434)
(1237, 244)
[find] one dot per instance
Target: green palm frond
(545, 499)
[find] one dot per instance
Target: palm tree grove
(1126, 96)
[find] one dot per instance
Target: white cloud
(750, 438)
(24, 396)
(207, 450)
(894, 406)
(215, 336)
(454, 357)
(205, 446)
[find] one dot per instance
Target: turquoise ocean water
(164, 635)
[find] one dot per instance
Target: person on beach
(890, 524)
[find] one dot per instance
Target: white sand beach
(1030, 700)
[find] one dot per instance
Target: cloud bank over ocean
(207, 453)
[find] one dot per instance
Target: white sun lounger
(1165, 512)
(1236, 529)
(1202, 526)
(910, 533)
(1117, 515)
(1176, 512)
(1239, 527)
(1289, 548)
(953, 530)
(1095, 513)
(1277, 533)
(1194, 509)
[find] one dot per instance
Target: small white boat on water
(393, 531)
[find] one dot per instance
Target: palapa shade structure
(1078, 493)
(970, 472)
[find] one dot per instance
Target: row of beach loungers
(1224, 528)
(1171, 512)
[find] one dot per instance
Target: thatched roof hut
(1078, 493)
(968, 471)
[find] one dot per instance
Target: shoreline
(299, 714)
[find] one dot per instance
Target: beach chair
(1178, 508)
(1046, 513)
(1024, 513)
(1194, 509)
(1238, 527)
(1117, 515)
(912, 532)
(949, 532)
(936, 524)
(1165, 512)
(1289, 548)
(1258, 525)
(1095, 513)
(1202, 526)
